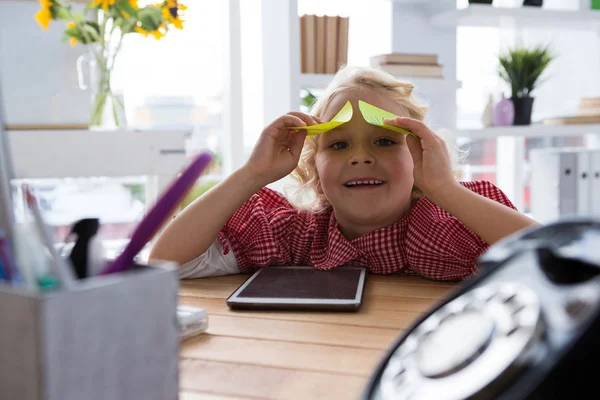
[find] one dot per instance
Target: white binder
(595, 183)
(561, 183)
(583, 182)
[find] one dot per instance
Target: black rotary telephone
(527, 327)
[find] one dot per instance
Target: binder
(583, 182)
(595, 183)
(555, 183)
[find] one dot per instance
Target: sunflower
(72, 41)
(44, 16)
(104, 3)
(158, 33)
(172, 13)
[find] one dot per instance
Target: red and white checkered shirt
(427, 241)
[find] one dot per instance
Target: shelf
(429, 84)
(489, 16)
(315, 81)
(85, 153)
(537, 130)
(320, 81)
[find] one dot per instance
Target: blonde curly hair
(362, 78)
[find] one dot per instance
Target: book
(320, 51)
(331, 43)
(308, 43)
(572, 120)
(588, 111)
(342, 47)
(405, 58)
(303, 61)
(414, 70)
(590, 101)
(589, 106)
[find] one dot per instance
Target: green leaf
(522, 68)
(309, 99)
(92, 30)
(124, 5)
(150, 18)
(63, 14)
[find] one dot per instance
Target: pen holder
(114, 337)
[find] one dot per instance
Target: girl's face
(365, 171)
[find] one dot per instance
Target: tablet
(301, 288)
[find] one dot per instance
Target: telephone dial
(526, 327)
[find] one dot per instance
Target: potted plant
(521, 68)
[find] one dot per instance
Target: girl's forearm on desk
(489, 219)
(192, 232)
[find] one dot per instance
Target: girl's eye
(384, 142)
(339, 145)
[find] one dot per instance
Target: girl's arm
(274, 156)
(489, 219)
(192, 232)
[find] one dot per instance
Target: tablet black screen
(289, 282)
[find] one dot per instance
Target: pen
(29, 257)
(5, 259)
(87, 255)
(7, 216)
(157, 215)
(3, 276)
(58, 264)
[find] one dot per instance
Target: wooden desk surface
(295, 355)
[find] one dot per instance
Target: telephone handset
(523, 328)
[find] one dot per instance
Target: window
(176, 82)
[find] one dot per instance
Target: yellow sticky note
(375, 116)
(343, 116)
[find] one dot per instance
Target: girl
(383, 200)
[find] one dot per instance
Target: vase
(504, 112)
(523, 108)
(487, 118)
(107, 104)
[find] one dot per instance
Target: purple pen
(5, 257)
(157, 215)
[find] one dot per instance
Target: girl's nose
(360, 155)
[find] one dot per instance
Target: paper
(343, 116)
(375, 116)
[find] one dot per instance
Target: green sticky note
(375, 116)
(343, 116)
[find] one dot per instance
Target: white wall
(38, 70)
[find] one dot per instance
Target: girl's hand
(277, 151)
(433, 169)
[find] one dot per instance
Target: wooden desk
(296, 355)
